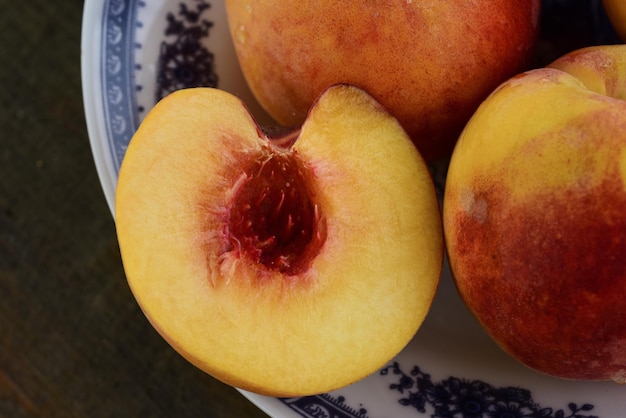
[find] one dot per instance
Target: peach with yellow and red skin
(429, 63)
(284, 267)
(616, 10)
(534, 216)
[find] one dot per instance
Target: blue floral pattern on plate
(451, 398)
(117, 66)
(185, 62)
(460, 398)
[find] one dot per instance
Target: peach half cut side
(283, 267)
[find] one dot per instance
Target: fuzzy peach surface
(534, 216)
(429, 63)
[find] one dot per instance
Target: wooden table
(73, 342)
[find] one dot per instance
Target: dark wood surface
(73, 342)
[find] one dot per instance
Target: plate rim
(91, 87)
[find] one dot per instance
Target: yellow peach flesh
(361, 297)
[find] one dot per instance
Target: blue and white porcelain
(134, 52)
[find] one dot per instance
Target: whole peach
(534, 216)
(429, 63)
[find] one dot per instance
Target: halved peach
(285, 266)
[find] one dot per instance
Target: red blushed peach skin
(430, 63)
(534, 216)
(284, 270)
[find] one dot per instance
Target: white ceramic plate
(136, 51)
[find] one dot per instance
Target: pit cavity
(274, 220)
